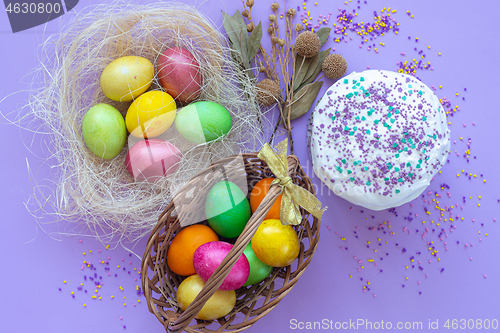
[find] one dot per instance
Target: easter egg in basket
(276, 244)
(227, 209)
(258, 193)
(181, 250)
(258, 270)
(207, 258)
(218, 305)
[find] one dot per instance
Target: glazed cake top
(377, 138)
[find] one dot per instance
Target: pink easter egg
(208, 257)
(151, 159)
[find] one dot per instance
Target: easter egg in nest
(126, 78)
(151, 114)
(203, 121)
(151, 159)
(103, 131)
(179, 74)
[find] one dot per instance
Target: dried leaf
(308, 79)
(299, 75)
(254, 42)
(304, 99)
(323, 34)
(238, 18)
(313, 64)
(238, 37)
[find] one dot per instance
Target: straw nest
(99, 195)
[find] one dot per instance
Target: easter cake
(377, 138)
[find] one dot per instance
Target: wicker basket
(253, 302)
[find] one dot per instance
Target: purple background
(34, 265)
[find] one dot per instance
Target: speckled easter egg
(151, 114)
(103, 130)
(208, 257)
(276, 244)
(218, 305)
(227, 209)
(126, 78)
(203, 121)
(152, 159)
(179, 74)
(258, 270)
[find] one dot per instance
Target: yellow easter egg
(276, 244)
(151, 114)
(219, 305)
(126, 78)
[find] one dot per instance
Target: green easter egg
(104, 131)
(203, 121)
(258, 270)
(227, 209)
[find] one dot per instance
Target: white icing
(331, 163)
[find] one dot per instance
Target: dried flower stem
(284, 56)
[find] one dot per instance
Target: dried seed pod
(299, 27)
(262, 69)
(268, 92)
(281, 42)
(275, 6)
(292, 12)
(250, 27)
(307, 44)
(334, 66)
(272, 18)
(244, 13)
(250, 3)
(274, 40)
(270, 30)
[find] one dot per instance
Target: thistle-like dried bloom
(275, 6)
(272, 18)
(334, 66)
(250, 3)
(299, 27)
(307, 44)
(281, 42)
(274, 40)
(270, 30)
(244, 13)
(268, 92)
(262, 69)
(250, 27)
(292, 12)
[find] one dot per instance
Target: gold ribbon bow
(293, 195)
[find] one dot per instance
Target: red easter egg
(179, 74)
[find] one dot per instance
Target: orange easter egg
(259, 191)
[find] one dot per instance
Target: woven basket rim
(164, 308)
